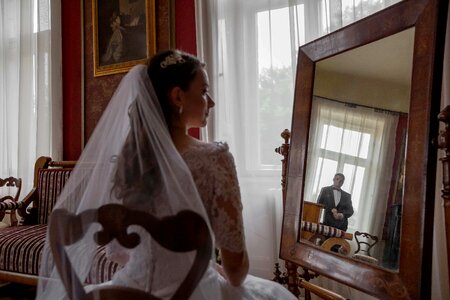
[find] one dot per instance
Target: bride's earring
(180, 110)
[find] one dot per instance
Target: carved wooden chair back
(7, 196)
(189, 228)
(365, 242)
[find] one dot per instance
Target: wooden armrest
(63, 164)
(10, 205)
(320, 291)
(42, 162)
(32, 196)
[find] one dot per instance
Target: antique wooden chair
(8, 199)
(186, 231)
(365, 242)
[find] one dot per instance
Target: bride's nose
(211, 102)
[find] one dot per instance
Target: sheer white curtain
(30, 86)
(359, 142)
(251, 51)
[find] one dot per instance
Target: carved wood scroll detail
(443, 142)
(284, 151)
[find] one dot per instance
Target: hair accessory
(172, 59)
(180, 110)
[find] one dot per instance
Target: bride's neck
(180, 137)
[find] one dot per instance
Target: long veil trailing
(130, 160)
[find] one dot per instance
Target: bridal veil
(129, 160)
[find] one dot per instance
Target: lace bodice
(214, 172)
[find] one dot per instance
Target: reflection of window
(359, 142)
(346, 151)
(346, 141)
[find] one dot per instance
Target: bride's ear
(176, 98)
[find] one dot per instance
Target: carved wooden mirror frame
(413, 278)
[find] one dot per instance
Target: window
(275, 76)
(258, 43)
(345, 151)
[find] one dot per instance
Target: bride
(141, 156)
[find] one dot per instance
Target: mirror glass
(358, 128)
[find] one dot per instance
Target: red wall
(185, 38)
(72, 76)
(71, 19)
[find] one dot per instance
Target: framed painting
(124, 33)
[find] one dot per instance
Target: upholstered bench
(21, 246)
(327, 237)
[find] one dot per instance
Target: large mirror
(366, 99)
(358, 128)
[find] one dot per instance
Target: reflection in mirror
(358, 128)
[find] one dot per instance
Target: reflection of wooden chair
(312, 212)
(189, 228)
(365, 242)
(7, 201)
(327, 237)
(337, 245)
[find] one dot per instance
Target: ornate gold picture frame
(124, 33)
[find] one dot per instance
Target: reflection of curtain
(392, 222)
(251, 51)
(398, 168)
(30, 86)
(361, 147)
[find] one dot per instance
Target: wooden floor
(13, 291)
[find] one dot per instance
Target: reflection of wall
(363, 91)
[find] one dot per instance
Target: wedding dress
(131, 160)
(214, 172)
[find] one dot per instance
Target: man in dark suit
(338, 204)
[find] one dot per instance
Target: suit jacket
(326, 197)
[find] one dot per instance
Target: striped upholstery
(21, 249)
(21, 246)
(104, 268)
(324, 230)
(50, 185)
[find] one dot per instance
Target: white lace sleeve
(226, 216)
